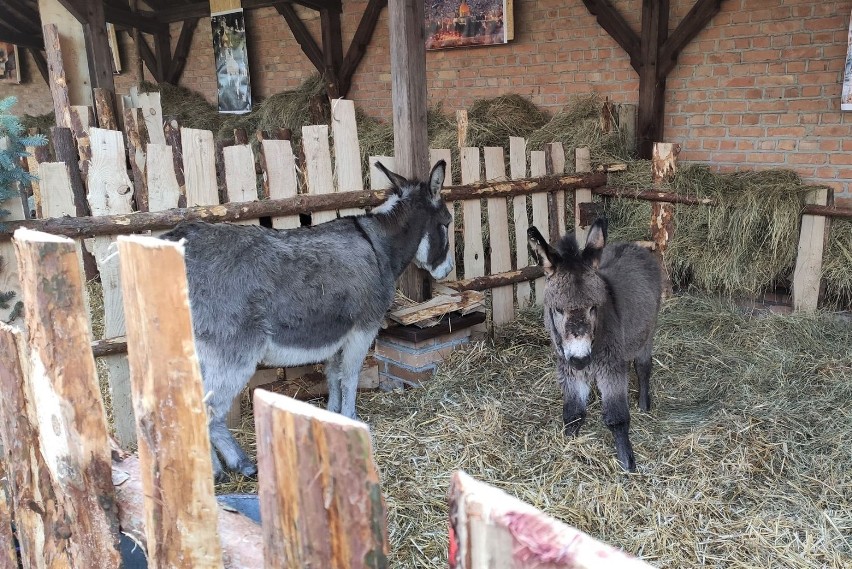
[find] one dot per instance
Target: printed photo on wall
(10, 68)
(231, 56)
(460, 23)
(846, 92)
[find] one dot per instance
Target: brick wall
(33, 93)
(760, 87)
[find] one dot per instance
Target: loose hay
(837, 267)
(744, 461)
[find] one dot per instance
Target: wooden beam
(202, 9)
(143, 20)
(56, 70)
(303, 203)
(616, 26)
(332, 51)
(40, 63)
(91, 17)
(148, 57)
(163, 56)
(302, 35)
(652, 88)
(696, 20)
(10, 35)
(187, 30)
(359, 44)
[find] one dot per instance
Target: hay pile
(837, 266)
(744, 460)
(190, 107)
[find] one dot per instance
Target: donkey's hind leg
(613, 385)
(575, 396)
(352, 356)
(643, 365)
(224, 380)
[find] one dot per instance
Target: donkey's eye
(558, 311)
(592, 311)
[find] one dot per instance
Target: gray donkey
(306, 295)
(600, 308)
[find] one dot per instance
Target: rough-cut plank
(240, 178)
(583, 163)
(503, 298)
(538, 168)
(241, 540)
(520, 217)
(8, 557)
(489, 528)
(146, 221)
(110, 194)
(474, 254)
(347, 152)
(437, 306)
(174, 448)
(137, 137)
(378, 180)
(320, 497)
(71, 416)
(434, 156)
(199, 167)
(33, 501)
(556, 159)
(318, 167)
(461, 127)
(152, 113)
(56, 70)
(279, 170)
(82, 119)
(35, 156)
(65, 150)
(105, 108)
(163, 188)
(808, 272)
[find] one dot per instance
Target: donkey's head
(574, 290)
(427, 217)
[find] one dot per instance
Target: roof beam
(181, 50)
(144, 21)
(359, 44)
(202, 9)
(616, 26)
(302, 35)
(696, 20)
(11, 35)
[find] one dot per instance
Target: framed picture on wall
(846, 91)
(460, 23)
(10, 66)
(231, 57)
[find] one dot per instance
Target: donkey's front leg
(352, 354)
(333, 377)
(613, 385)
(575, 396)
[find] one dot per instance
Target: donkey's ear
(546, 255)
(397, 181)
(436, 180)
(595, 242)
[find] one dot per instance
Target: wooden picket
(319, 178)
(518, 171)
(582, 163)
(474, 253)
(279, 168)
(556, 154)
(347, 150)
(199, 167)
(540, 211)
(502, 298)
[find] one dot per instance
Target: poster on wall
(460, 23)
(10, 68)
(231, 57)
(846, 92)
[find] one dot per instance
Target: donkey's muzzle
(579, 363)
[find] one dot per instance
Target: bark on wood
(828, 211)
(518, 170)
(56, 70)
(489, 528)
(174, 448)
(8, 557)
(240, 538)
(663, 167)
(171, 130)
(105, 109)
(320, 496)
(36, 155)
(137, 139)
(304, 203)
(501, 279)
(82, 119)
(71, 416)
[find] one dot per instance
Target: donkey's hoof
(571, 426)
(627, 460)
(219, 476)
(247, 469)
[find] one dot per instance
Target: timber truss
(21, 25)
(653, 54)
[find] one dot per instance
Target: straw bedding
(743, 462)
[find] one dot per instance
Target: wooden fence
(72, 492)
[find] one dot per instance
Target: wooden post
(56, 71)
(808, 273)
(540, 212)
(320, 498)
(583, 163)
(489, 528)
(109, 194)
(518, 171)
(663, 166)
(174, 448)
(37, 155)
(502, 298)
(406, 21)
(347, 152)
(70, 413)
